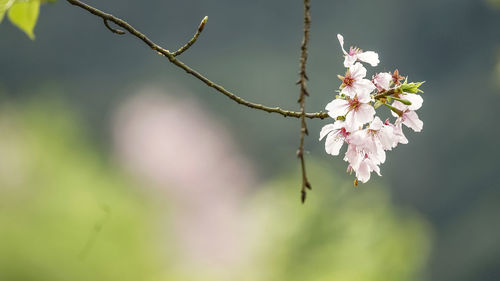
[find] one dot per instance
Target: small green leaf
(377, 104)
(24, 15)
(411, 87)
(403, 101)
(4, 6)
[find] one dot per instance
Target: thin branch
(114, 30)
(302, 98)
(171, 57)
(193, 40)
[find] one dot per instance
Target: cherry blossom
(361, 163)
(353, 83)
(354, 111)
(411, 120)
(357, 111)
(399, 136)
(382, 81)
(375, 139)
(409, 117)
(356, 54)
(336, 134)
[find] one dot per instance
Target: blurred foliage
(67, 214)
(341, 233)
(496, 72)
(494, 3)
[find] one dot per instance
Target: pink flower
(382, 81)
(361, 162)
(365, 168)
(374, 139)
(356, 54)
(409, 117)
(357, 111)
(353, 83)
(366, 136)
(397, 129)
(336, 134)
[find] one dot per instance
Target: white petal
(341, 41)
(333, 144)
(349, 91)
(337, 107)
(379, 155)
(369, 57)
(383, 80)
(350, 122)
(358, 71)
(364, 97)
(376, 124)
(364, 114)
(358, 138)
(349, 60)
(363, 172)
(410, 119)
(374, 167)
(338, 124)
(402, 138)
(387, 137)
(416, 101)
(327, 129)
(353, 156)
(364, 86)
(399, 137)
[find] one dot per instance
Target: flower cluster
(366, 135)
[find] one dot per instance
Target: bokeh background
(116, 165)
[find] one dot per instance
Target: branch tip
(202, 24)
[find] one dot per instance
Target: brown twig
(302, 98)
(193, 40)
(171, 57)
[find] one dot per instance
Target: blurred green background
(118, 166)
